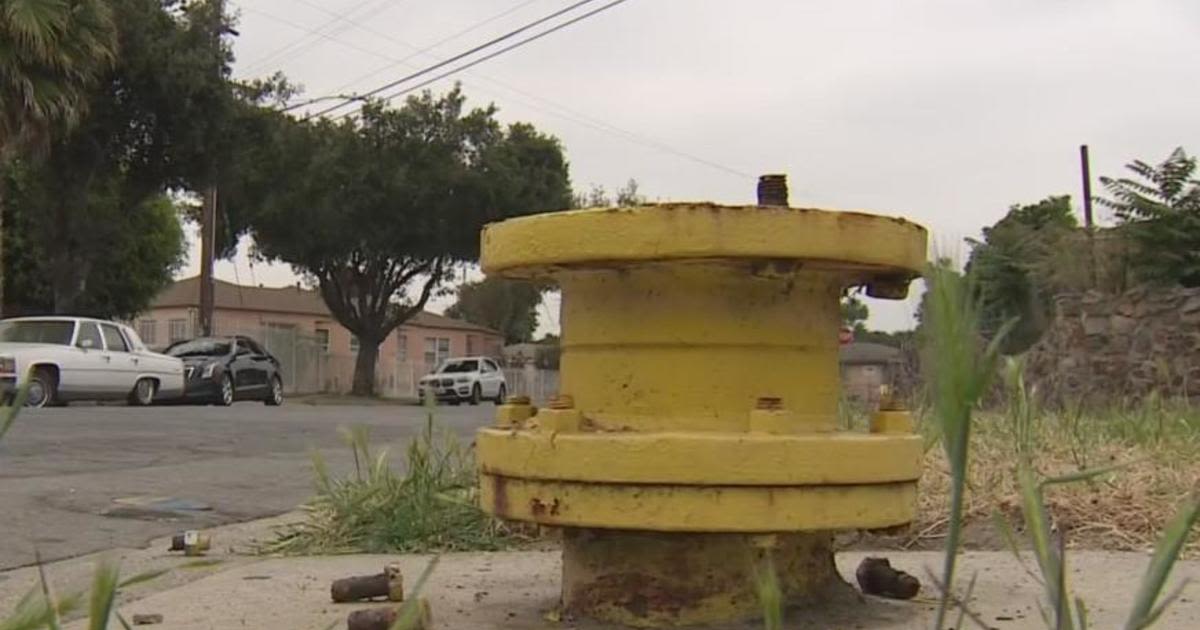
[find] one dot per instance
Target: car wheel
(43, 389)
(143, 393)
(275, 397)
(501, 395)
(476, 394)
(226, 394)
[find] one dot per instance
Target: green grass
(430, 507)
(959, 366)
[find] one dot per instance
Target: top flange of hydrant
(696, 433)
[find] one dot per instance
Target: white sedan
(78, 358)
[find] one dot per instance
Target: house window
(177, 330)
(437, 350)
(148, 331)
(402, 348)
(323, 339)
(354, 345)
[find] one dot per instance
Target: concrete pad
(231, 547)
(517, 590)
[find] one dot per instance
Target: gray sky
(945, 112)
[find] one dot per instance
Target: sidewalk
(514, 590)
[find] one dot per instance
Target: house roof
(290, 299)
(860, 353)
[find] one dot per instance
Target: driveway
(82, 479)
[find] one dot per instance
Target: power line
(396, 62)
(489, 43)
(563, 112)
(311, 36)
(430, 47)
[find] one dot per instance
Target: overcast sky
(944, 112)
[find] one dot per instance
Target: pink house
(316, 351)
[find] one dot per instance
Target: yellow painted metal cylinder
(691, 347)
(700, 392)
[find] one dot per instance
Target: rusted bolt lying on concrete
(877, 577)
(191, 543)
(385, 618)
(676, 320)
(389, 584)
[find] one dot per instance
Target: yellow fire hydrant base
(649, 579)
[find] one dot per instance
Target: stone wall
(1103, 347)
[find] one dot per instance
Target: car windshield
(53, 332)
(458, 367)
(200, 348)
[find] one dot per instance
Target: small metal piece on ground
(877, 577)
(147, 620)
(389, 584)
(385, 618)
(191, 543)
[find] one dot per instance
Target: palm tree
(51, 51)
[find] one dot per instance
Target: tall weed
(431, 507)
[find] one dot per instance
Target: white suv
(470, 379)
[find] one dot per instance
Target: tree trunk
(364, 368)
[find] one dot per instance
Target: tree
(1159, 211)
(509, 306)
(131, 265)
(597, 197)
(854, 314)
(51, 52)
(1011, 271)
(149, 128)
(378, 212)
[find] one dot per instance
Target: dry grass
(1157, 448)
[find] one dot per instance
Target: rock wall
(1103, 347)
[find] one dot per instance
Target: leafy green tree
(597, 197)
(51, 51)
(132, 261)
(854, 314)
(149, 128)
(509, 306)
(1009, 268)
(1159, 210)
(379, 212)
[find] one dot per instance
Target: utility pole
(208, 214)
(1085, 165)
(208, 236)
(1088, 220)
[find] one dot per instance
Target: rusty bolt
(773, 190)
(385, 618)
(148, 619)
(769, 403)
(562, 401)
(389, 584)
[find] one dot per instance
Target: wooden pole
(208, 235)
(1088, 220)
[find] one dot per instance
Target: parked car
(221, 370)
(79, 358)
(466, 379)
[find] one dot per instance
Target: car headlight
(8, 365)
(209, 370)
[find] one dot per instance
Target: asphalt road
(82, 479)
